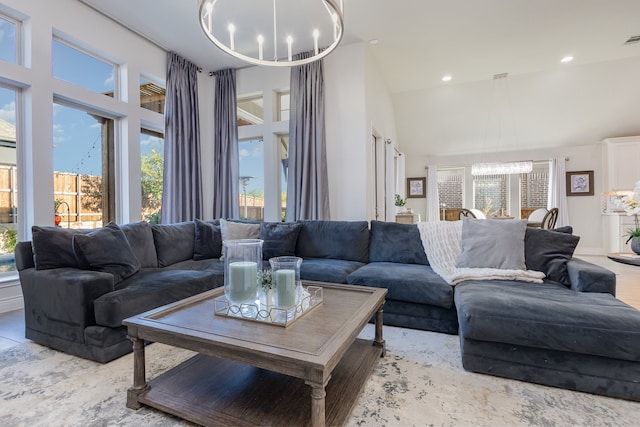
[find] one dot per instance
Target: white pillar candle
(243, 281)
(286, 287)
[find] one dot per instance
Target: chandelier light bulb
(289, 43)
(260, 43)
(232, 30)
(316, 34)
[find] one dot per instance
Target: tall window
(284, 106)
(152, 163)
(251, 155)
(83, 167)
(534, 189)
(97, 75)
(8, 180)
(8, 40)
(152, 96)
(490, 194)
(250, 110)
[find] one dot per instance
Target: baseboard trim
(590, 251)
(12, 303)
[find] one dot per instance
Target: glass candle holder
(242, 259)
(285, 273)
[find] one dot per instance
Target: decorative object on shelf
(309, 298)
(631, 205)
(310, 26)
(580, 183)
(242, 259)
(285, 271)
(500, 103)
(417, 188)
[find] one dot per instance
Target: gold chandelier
(261, 33)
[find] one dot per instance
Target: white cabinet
(622, 163)
(615, 227)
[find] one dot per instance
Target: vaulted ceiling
(419, 41)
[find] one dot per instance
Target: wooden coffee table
(250, 373)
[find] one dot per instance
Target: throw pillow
(106, 249)
(279, 238)
(208, 240)
(232, 230)
(52, 247)
(548, 251)
(493, 243)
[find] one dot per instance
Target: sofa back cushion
(279, 238)
(393, 242)
(548, 251)
(52, 247)
(347, 240)
(208, 240)
(174, 242)
(106, 249)
(140, 237)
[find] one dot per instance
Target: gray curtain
(182, 187)
(307, 183)
(225, 157)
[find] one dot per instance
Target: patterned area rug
(420, 382)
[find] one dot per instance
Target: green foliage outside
(8, 240)
(151, 179)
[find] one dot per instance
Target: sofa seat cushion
(327, 270)
(213, 265)
(405, 282)
(149, 288)
(548, 316)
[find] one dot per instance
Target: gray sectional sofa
(544, 333)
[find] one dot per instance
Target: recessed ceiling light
(373, 41)
(446, 78)
(567, 58)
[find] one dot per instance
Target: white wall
(357, 103)
(584, 211)
(381, 120)
(347, 133)
(571, 105)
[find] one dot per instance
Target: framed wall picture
(416, 188)
(580, 183)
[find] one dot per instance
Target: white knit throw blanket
(442, 241)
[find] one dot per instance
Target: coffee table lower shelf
(217, 392)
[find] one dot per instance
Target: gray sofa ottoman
(549, 334)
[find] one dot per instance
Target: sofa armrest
(59, 301)
(588, 277)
